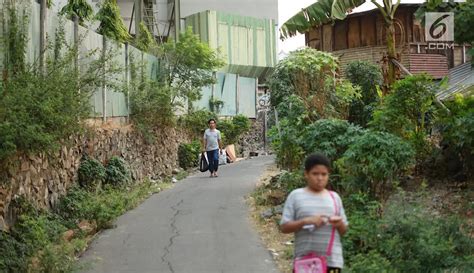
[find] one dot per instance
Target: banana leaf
(321, 12)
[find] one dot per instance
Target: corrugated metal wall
(237, 93)
(116, 105)
(249, 47)
(248, 44)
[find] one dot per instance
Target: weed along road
(200, 225)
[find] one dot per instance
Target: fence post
(237, 89)
(127, 80)
(104, 85)
(75, 19)
(42, 41)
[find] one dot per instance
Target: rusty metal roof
(435, 65)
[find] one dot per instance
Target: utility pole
(177, 19)
(42, 41)
(138, 9)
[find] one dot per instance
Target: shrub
(377, 158)
(370, 262)
(331, 137)
(233, 129)
(457, 131)
(40, 111)
(286, 143)
(151, 107)
(409, 108)
(91, 173)
(367, 76)
(117, 171)
(309, 74)
(416, 240)
(364, 215)
(196, 122)
(37, 231)
(13, 254)
(188, 155)
(100, 208)
(291, 181)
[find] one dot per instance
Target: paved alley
(200, 225)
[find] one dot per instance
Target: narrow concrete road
(200, 225)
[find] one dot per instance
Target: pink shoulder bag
(312, 263)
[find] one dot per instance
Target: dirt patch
(278, 244)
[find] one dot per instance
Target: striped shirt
(300, 204)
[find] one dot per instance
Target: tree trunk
(392, 54)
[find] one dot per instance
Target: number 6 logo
(439, 26)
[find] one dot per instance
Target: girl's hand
(317, 220)
(336, 221)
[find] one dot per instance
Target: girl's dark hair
(316, 159)
(209, 122)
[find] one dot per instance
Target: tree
(111, 24)
(311, 75)
(326, 11)
(189, 65)
(367, 76)
(80, 8)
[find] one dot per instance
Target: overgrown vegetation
(311, 75)
(39, 111)
(91, 173)
(368, 77)
(406, 138)
(189, 64)
(144, 40)
(79, 8)
(231, 129)
(188, 155)
(111, 24)
(44, 241)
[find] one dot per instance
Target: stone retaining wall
(43, 178)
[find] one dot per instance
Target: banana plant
(319, 13)
(327, 11)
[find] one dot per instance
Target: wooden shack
(361, 36)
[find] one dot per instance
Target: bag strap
(333, 232)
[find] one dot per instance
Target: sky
(288, 8)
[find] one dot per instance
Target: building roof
(461, 79)
(435, 65)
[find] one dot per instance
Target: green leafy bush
(364, 215)
(309, 74)
(367, 76)
(40, 111)
(409, 108)
(233, 129)
(196, 122)
(91, 173)
(38, 230)
(457, 129)
(13, 254)
(416, 240)
(370, 262)
(377, 158)
(331, 137)
(286, 143)
(291, 181)
(117, 172)
(188, 155)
